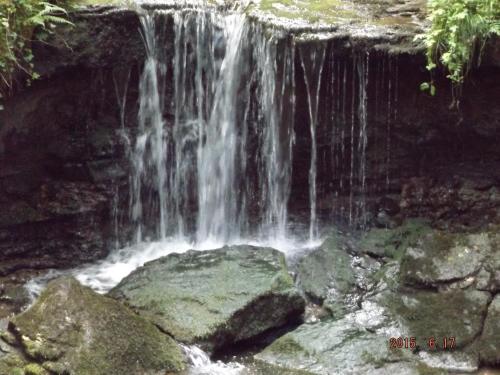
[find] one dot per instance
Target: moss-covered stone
(489, 276)
(12, 364)
(326, 274)
(333, 13)
(426, 314)
(71, 329)
(489, 343)
(35, 369)
(443, 257)
(393, 242)
(337, 347)
(214, 297)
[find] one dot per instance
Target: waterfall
(219, 217)
(231, 95)
(150, 147)
(212, 157)
(312, 64)
(277, 105)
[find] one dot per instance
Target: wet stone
(426, 314)
(72, 330)
(214, 298)
(489, 343)
(327, 276)
(443, 257)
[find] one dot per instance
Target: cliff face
(62, 155)
(386, 151)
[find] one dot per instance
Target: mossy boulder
(488, 277)
(73, 330)
(489, 343)
(351, 345)
(334, 277)
(326, 276)
(425, 314)
(214, 298)
(393, 242)
(443, 257)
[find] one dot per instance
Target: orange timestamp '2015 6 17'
(432, 342)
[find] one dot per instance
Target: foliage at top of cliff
(457, 36)
(18, 20)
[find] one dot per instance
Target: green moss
(368, 357)
(12, 364)
(456, 313)
(423, 369)
(313, 11)
(73, 329)
(8, 337)
(392, 243)
(213, 296)
(35, 369)
(286, 345)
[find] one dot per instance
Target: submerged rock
(214, 298)
(72, 330)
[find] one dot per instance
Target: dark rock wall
(62, 147)
(429, 158)
(63, 142)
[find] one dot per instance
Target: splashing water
(202, 365)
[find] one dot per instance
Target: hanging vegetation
(457, 36)
(18, 20)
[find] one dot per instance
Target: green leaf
(424, 86)
(432, 90)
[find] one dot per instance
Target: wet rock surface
(214, 298)
(489, 345)
(443, 257)
(72, 330)
(450, 320)
(425, 314)
(333, 277)
(63, 163)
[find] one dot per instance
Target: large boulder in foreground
(73, 330)
(214, 298)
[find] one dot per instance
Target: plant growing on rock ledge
(457, 36)
(18, 20)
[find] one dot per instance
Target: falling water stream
(312, 64)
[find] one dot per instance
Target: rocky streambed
(412, 299)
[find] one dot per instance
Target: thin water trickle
(277, 97)
(312, 64)
(363, 73)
